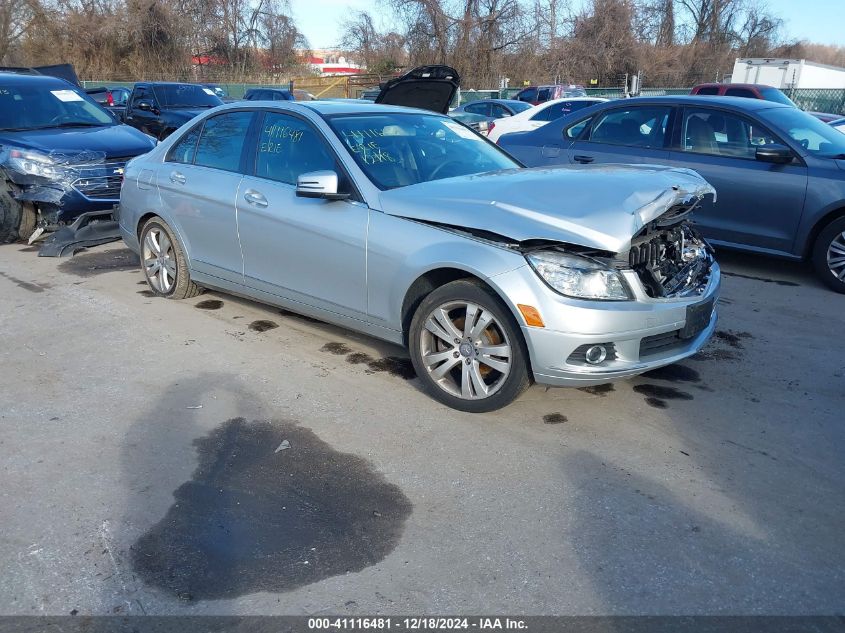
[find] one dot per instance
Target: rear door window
(478, 108)
(185, 149)
(574, 131)
(289, 147)
(529, 94)
(709, 90)
(544, 94)
(635, 127)
(222, 139)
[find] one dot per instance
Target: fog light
(595, 354)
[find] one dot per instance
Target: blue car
(61, 154)
(779, 173)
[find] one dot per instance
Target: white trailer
(787, 74)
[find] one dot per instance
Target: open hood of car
(426, 87)
(595, 206)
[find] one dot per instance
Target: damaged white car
(409, 227)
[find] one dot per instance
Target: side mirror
(319, 184)
(774, 153)
(145, 105)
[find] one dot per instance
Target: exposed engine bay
(670, 257)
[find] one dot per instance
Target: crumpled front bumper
(643, 334)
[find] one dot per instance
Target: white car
(539, 115)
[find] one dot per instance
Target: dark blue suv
(779, 173)
(61, 154)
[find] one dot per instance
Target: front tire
(163, 262)
(829, 255)
(467, 348)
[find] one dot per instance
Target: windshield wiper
(69, 124)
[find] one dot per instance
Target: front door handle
(583, 159)
(176, 177)
(255, 198)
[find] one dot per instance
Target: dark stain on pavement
(99, 262)
(554, 418)
(26, 285)
(209, 304)
(270, 507)
(393, 365)
(358, 358)
(598, 390)
(336, 348)
(657, 395)
(779, 282)
(147, 293)
(734, 339)
(262, 325)
(673, 373)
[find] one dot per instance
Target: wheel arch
(432, 279)
(146, 217)
(819, 226)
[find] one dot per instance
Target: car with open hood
(407, 226)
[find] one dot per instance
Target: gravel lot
(216, 456)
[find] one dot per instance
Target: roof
(356, 106)
(738, 103)
(22, 79)
(733, 85)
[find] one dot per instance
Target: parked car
(217, 90)
(838, 124)
(825, 117)
(403, 224)
(111, 99)
(536, 95)
(538, 116)
(779, 171)
(268, 94)
(476, 122)
(159, 108)
(494, 109)
(61, 154)
(747, 91)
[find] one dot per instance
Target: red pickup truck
(750, 91)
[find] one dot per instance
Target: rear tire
(468, 349)
(163, 262)
(829, 255)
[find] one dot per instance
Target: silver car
(409, 227)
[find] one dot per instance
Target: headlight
(578, 277)
(34, 164)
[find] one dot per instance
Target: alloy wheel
(836, 256)
(159, 260)
(465, 350)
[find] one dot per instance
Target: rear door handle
(176, 177)
(255, 198)
(583, 159)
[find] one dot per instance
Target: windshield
(38, 106)
(185, 96)
(773, 94)
(396, 150)
(816, 137)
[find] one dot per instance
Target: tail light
(490, 126)
(109, 99)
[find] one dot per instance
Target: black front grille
(100, 182)
(660, 343)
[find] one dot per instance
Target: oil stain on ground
(779, 282)
(336, 348)
(554, 418)
(99, 262)
(263, 325)
(734, 339)
(147, 293)
(598, 390)
(657, 395)
(270, 507)
(209, 304)
(26, 285)
(393, 365)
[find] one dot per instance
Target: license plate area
(698, 317)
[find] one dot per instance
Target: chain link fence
(355, 86)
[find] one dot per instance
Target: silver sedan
(409, 227)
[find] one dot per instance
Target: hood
(426, 87)
(595, 206)
(184, 113)
(112, 141)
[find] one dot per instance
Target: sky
(815, 20)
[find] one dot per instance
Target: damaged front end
(60, 194)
